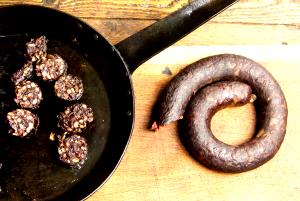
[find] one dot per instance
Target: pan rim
(131, 129)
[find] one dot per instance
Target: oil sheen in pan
(30, 167)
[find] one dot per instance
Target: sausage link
(206, 148)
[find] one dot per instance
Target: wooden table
(156, 166)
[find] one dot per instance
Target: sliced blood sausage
(51, 67)
(272, 106)
(23, 74)
(22, 122)
(69, 87)
(75, 118)
(73, 150)
(37, 48)
(28, 95)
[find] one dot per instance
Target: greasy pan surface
(29, 168)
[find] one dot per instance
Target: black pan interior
(29, 168)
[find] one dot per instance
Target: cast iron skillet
(29, 169)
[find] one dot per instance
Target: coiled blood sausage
(226, 80)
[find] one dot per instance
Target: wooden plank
(157, 167)
(245, 11)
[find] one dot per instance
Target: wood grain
(156, 166)
(246, 11)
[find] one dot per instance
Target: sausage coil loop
(224, 80)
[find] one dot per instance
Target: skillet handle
(146, 43)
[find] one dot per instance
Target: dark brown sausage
(273, 109)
